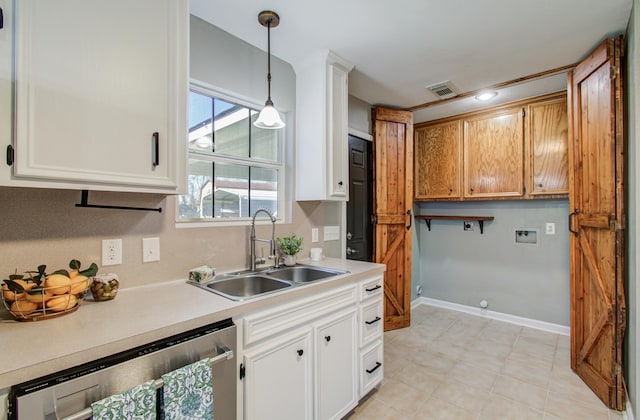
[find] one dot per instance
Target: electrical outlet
(111, 252)
(468, 226)
(331, 233)
(314, 235)
(150, 249)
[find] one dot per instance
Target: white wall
(530, 281)
(632, 344)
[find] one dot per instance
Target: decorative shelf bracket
(84, 202)
(479, 219)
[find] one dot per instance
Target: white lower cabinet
(278, 382)
(314, 357)
(371, 327)
(336, 366)
(371, 371)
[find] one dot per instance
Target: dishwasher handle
(225, 354)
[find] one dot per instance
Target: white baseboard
(627, 414)
(485, 313)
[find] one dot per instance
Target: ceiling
(400, 47)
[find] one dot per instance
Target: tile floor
(451, 365)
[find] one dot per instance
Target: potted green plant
(290, 246)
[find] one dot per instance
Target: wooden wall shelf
(479, 219)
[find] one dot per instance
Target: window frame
(279, 165)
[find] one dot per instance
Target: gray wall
(530, 281)
(32, 233)
(632, 344)
(359, 115)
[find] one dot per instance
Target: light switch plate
(314, 235)
(150, 249)
(550, 228)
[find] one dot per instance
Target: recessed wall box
(527, 236)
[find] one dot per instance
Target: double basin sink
(246, 285)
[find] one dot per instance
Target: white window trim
(283, 168)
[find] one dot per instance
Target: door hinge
(374, 219)
(242, 371)
(10, 155)
(617, 369)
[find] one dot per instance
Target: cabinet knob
(300, 352)
(450, 190)
(340, 183)
(471, 189)
(539, 185)
(327, 337)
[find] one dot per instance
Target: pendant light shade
(269, 117)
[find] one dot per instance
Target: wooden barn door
(393, 201)
(597, 223)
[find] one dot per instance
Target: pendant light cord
(269, 102)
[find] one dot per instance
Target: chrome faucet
(272, 242)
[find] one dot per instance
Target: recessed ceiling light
(485, 96)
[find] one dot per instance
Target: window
(234, 168)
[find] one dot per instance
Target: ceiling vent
(443, 90)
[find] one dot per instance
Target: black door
(359, 207)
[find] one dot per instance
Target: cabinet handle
(373, 288)
(300, 352)
(327, 337)
(155, 149)
(574, 213)
(378, 364)
(1, 18)
(10, 155)
(410, 220)
(372, 322)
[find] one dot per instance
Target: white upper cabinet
(322, 90)
(101, 95)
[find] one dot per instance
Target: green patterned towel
(138, 403)
(188, 392)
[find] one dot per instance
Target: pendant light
(269, 116)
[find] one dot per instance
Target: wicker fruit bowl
(37, 295)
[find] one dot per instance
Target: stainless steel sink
(303, 274)
(241, 287)
(246, 285)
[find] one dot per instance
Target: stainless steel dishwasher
(68, 394)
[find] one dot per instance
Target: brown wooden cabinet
(438, 151)
(514, 151)
(548, 154)
(494, 154)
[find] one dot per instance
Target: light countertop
(135, 317)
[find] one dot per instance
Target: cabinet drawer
(372, 288)
(371, 368)
(371, 322)
(263, 324)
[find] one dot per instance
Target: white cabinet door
(94, 81)
(336, 366)
(6, 114)
(322, 94)
(338, 169)
(278, 382)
